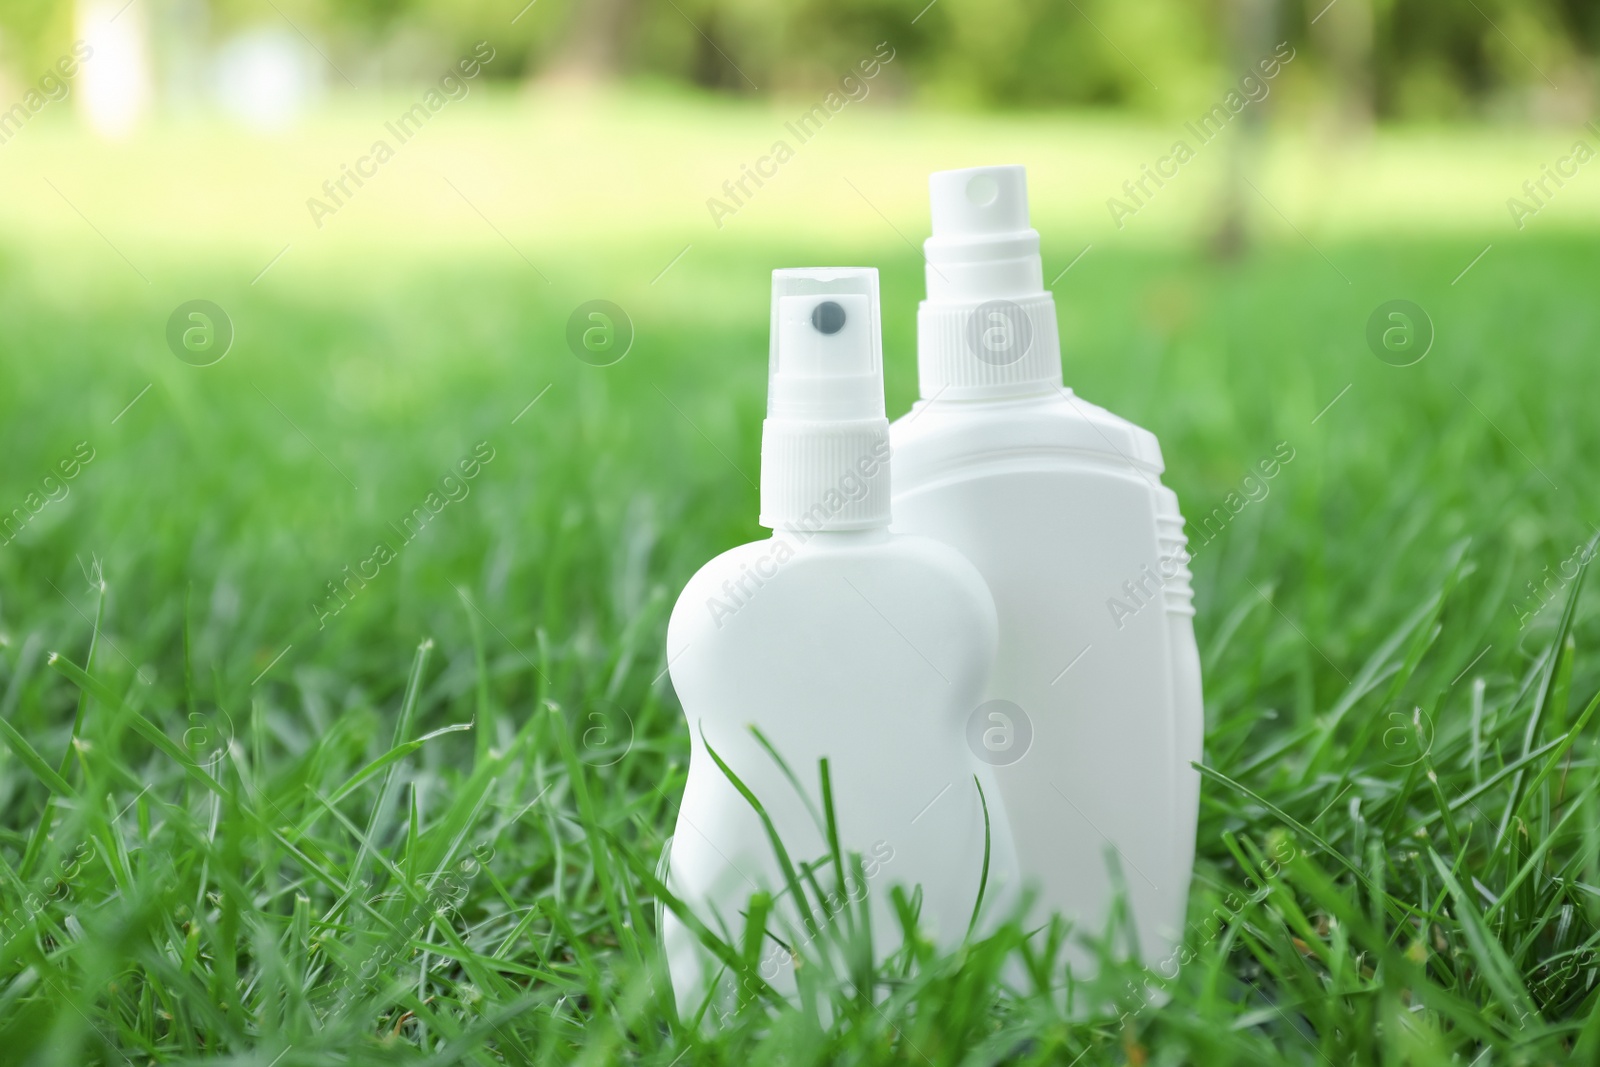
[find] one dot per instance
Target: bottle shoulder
(791, 580)
(1016, 480)
(936, 434)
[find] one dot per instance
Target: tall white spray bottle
(1093, 712)
(836, 639)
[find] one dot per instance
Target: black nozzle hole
(827, 317)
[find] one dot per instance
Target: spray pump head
(825, 443)
(988, 326)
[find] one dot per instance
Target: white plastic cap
(825, 443)
(988, 326)
(826, 348)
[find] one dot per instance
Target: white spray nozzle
(825, 443)
(988, 326)
(979, 201)
(982, 247)
(823, 337)
(827, 360)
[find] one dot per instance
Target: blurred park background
(399, 210)
(399, 206)
(1414, 60)
(638, 112)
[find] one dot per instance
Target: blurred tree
(1343, 34)
(595, 45)
(1389, 58)
(1252, 34)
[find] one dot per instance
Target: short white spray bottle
(838, 639)
(1093, 713)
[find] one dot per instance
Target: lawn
(244, 814)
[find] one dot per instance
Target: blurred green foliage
(1413, 59)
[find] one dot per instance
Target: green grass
(228, 831)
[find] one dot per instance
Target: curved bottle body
(1058, 504)
(868, 649)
